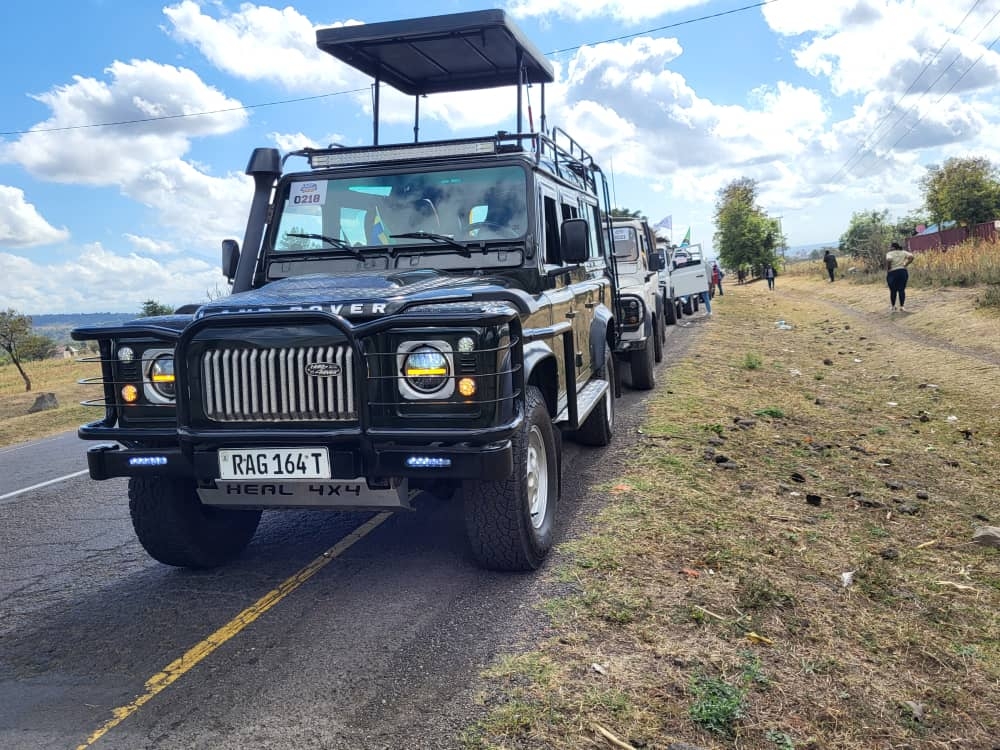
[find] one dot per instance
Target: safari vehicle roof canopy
(439, 54)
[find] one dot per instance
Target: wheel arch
(541, 371)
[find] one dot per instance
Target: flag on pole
(687, 238)
(667, 222)
(378, 226)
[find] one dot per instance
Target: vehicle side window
(552, 254)
(596, 236)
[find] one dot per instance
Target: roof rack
(437, 54)
(568, 161)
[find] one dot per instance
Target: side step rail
(586, 399)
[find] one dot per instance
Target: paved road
(380, 648)
(28, 464)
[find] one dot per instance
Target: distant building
(948, 234)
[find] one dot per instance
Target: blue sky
(833, 107)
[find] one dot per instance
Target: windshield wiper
(335, 241)
(442, 238)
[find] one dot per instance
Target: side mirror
(657, 261)
(230, 258)
(574, 238)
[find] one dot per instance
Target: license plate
(274, 463)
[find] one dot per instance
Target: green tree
(963, 189)
(744, 234)
(868, 236)
(151, 307)
(907, 226)
(292, 244)
(36, 346)
(14, 331)
(627, 213)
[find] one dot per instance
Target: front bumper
(491, 461)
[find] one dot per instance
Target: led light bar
(343, 157)
(427, 462)
(147, 461)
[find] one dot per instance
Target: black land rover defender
(427, 316)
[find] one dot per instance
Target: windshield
(428, 207)
(626, 243)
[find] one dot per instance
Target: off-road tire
(498, 519)
(670, 310)
(599, 426)
(641, 365)
(176, 529)
(659, 336)
(679, 308)
(688, 306)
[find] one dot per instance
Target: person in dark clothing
(717, 275)
(769, 274)
(896, 275)
(830, 260)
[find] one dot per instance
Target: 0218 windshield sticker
(308, 193)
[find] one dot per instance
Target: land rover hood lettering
(359, 295)
(323, 369)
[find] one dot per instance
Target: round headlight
(161, 374)
(426, 369)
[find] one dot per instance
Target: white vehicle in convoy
(686, 276)
(643, 329)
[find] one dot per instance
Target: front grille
(271, 385)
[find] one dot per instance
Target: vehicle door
(559, 299)
(585, 290)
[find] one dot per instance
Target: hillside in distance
(58, 326)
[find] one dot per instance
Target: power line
(186, 114)
(668, 26)
(863, 144)
(950, 88)
(354, 91)
(913, 108)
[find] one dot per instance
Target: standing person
(769, 275)
(896, 275)
(706, 299)
(741, 275)
(831, 263)
(717, 275)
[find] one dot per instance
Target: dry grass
(968, 265)
(714, 601)
(58, 376)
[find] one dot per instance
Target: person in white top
(896, 275)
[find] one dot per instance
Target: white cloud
(82, 284)
(260, 43)
(150, 246)
(20, 223)
(295, 141)
(628, 11)
(106, 156)
(199, 208)
(863, 46)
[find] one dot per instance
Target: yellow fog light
(130, 394)
(467, 386)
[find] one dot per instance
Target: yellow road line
(177, 668)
